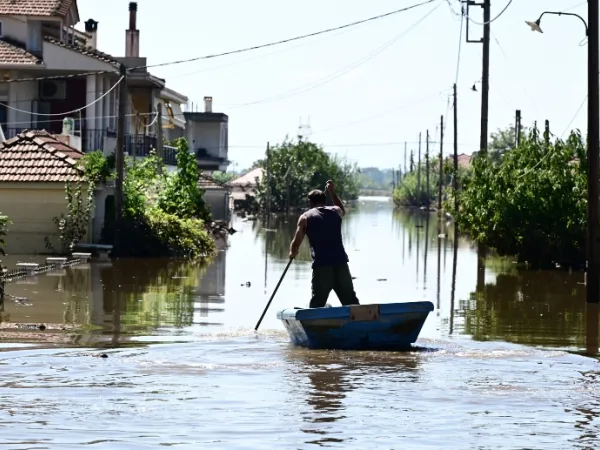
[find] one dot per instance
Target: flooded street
(499, 363)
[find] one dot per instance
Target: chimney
(91, 28)
(208, 104)
(132, 35)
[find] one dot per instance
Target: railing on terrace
(139, 144)
(169, 155)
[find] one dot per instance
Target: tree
(224, 177)
(412, 161)
(532, 203)
(298, 167)
(502, 141)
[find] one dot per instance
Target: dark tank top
(324, 232)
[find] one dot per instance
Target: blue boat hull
(393, 326)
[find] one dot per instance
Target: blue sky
(364, 90)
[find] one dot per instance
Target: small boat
(391, 326)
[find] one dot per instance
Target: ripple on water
(239, 390)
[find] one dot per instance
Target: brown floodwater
(507, 360)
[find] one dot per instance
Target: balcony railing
(139, 144)
(169, 155)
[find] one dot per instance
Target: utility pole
(485, 74)
(485, 77)
(119, 161)
(419, 174)
(268, 203)
(441, 181)
(427, 200)
(404, 173)
(159, 138)
(455, 177)
(593, 285)
(518, 128)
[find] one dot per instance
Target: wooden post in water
(405, 171)
(441, 180)
(419, 173)
(455, 177)
(428, 198)
(268, 203)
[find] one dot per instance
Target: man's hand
(293, 253)
(330, 187)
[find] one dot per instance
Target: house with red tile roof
(34, 167)
(38, 39)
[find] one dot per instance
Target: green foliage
(407, 194)
(298, 167)
(73, 225)
(165, 214)
(181, 195)
(96, 167)
(374, 178)
(224, 177)
(501, 142)
(4, 223)
(532, 203)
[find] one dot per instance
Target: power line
(462, 17)
(495, 18)
(570, 8)
(68, 112)
(378, 115)
(285, 41)
(575, 116)
(230, 52)
(341, 72)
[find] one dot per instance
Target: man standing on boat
(323, 226)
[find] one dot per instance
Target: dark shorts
(338, 278)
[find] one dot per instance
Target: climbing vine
(73, 225)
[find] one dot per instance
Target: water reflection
(326, 379)
(110, 304)
(529, 307)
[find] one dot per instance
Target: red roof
(57, 8)
(12, 54)
(38, 156)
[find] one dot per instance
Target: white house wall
(204, 135)
(21, 96)
(59, 58)
(14, 28)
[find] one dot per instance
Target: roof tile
(58, 8)
(38, 156)
(12, 54)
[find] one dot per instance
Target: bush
(164, 214)
(532, 203)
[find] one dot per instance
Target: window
(1, 33)
(34, 43)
